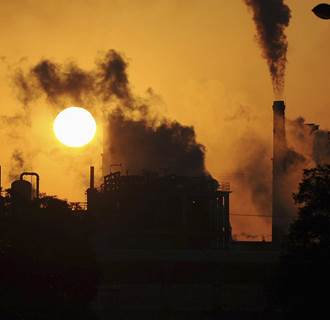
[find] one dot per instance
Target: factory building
(177, 211)
(160, 211)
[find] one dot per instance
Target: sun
(74, 127)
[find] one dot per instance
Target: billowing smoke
(111, 78)
(68, 81)
(134, 137)
(271, 17)
(167, 146)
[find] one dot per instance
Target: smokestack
(91, 178)
(279, 152)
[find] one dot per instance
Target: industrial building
(160, 211)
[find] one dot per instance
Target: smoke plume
(62, 82)
(167, 146)
(134, 136)
(271, 17)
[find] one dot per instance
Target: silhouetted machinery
(22, 192)
(160, 211)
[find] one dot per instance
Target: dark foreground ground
(199, 284)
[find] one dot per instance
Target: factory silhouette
(154, 239)
(173, 209)
(163, 241)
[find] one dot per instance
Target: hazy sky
(200, 57)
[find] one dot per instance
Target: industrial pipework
(37, 180)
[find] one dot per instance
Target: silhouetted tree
(310, 233)
(304, 275)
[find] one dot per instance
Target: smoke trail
(271, 17)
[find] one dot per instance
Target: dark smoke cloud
(271, 17)
(57, 81)
(167, 146)
(135, 136)
(111, 77)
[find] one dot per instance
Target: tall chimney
(279, 212)
(91, 178)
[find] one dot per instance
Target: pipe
(37, 178)
(91, 177)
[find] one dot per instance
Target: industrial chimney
(279, 210)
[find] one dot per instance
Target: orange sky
(200, 57)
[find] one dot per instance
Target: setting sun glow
(74, 127)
